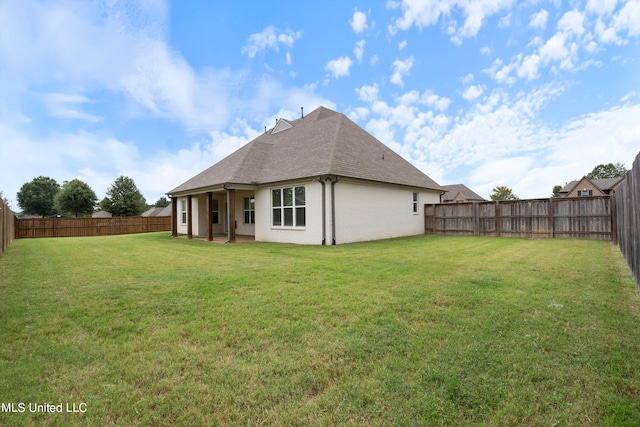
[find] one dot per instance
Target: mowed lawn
(427, 330)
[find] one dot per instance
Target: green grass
(148, 330)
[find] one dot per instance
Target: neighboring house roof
(101, 214)
(324, 142)
(459, 192)
(156, 211)
(604, 185)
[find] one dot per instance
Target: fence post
(552, 221)
(614, 218)
(496, 217)
(476, 219)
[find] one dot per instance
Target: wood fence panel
(82, 227)
(585, 217)
(627, 218)
(7, 226)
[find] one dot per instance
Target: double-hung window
(288, 207)
(183, 209)
(249, 210)
(215, 211)
(415, 202)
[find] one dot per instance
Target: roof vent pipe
(302, 112)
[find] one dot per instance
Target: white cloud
(401, 69)
(368, 93)
(572, 23)
(358, 50)
(539, 19)
(473, 92)
(529, 67)
(358, 22)
(601, 7)
(66, 106)
(436, 101)
(402, 44)
(339, 67)
(467, 79)
(628, 19)
(424, 14)
(269, 38)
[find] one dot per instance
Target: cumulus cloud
(539, 19)
(339, 67)
(473, 92)
(269, 38)
(401, 69)
(358, 22)
(423, 14)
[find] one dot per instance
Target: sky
(480, 92)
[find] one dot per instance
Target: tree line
(43, 196)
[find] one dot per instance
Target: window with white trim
(415, 202)
(585, 193)
(288, 207)
(215, 211)
(183, 210)
(249, 210)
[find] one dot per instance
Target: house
(157, 211)
(101, 214)
(586, 187)
(458, 193)
(320, 179)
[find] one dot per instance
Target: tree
(4, 199)
(556, 191)
(503, 193)
(162, 202)
(608, 171)
(36, 197)
(124, 198)
(75, 197)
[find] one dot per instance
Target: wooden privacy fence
(582, 218)
(80, 227)
(7, 226)
(626, 201)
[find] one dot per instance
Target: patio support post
(209, 216)
(189, 217)
(231, 207)
(174, 216)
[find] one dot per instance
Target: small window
(183, 209)
(415, 202)
(249, 210)
(288, 207)
(215, 211)
(585, 193)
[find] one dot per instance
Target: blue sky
(485, 93)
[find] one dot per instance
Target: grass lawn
(428, 330)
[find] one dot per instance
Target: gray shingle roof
(602, 184)
(324, 142)
(453, 190)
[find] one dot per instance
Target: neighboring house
(156, 211)
(101, 214)
(458, 193)
(320, 179)
(586, 187)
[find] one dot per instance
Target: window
(215, 211)
(585, 193)
(415, 202)
(288, 207)
(249, 210)
(183, 209)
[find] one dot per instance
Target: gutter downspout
(324, 214)
(333, 211)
